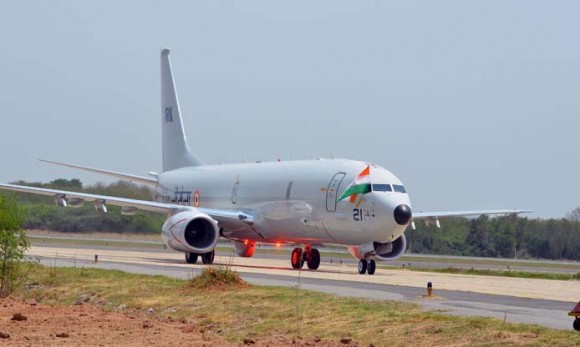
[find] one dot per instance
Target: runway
(544, 302)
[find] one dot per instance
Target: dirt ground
(28, 323)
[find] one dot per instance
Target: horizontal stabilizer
(133, 178)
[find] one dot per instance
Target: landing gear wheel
(191, 258)
(297, 259)
(362, 266)
(207, 258)
(372, 266)
(313, 259)
(576, 324)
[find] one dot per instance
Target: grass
(490, 261)
(236, 311)
(39, 240)
(501, 273)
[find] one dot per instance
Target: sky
(472, 104)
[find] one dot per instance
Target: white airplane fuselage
(291, 201)
(307, 203)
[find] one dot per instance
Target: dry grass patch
(217, 277)
(221, 305)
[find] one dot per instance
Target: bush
(13, 244)
(220, 277)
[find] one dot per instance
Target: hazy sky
(473, 104)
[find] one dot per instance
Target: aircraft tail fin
(176, 153)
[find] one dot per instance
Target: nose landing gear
(368, 266)
(309, 255)
(206, 258)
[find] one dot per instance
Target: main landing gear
(576, 314)
(309, 255)
(368, 266)
(206, 258)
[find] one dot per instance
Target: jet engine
(381, 251)
(191, 231)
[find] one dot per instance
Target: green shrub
(13, 244)
(220, 277)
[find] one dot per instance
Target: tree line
(508, 236)
(42, 213)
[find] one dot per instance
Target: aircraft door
(332, 191)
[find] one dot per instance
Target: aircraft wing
(431, 215)
(230, 218)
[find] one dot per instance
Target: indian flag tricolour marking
(360, 185)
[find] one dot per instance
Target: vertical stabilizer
(176, 153)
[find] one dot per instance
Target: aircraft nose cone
(403, 214)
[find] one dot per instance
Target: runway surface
(544, 302)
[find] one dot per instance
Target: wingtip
(50, 161)
(165, 52)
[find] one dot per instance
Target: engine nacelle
(245, 249)
(75, 202)
(381, 251)
(191, 231)
(129, 210)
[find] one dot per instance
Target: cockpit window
(399, 189)
(382, 188)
